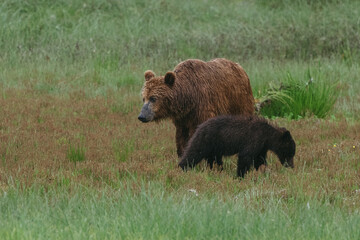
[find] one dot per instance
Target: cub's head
(287, 148)
(156, 94)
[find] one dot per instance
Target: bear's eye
(152, 99)
(143, 99)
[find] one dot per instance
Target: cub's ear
(170, 78)
(148, 75)
(286, 135)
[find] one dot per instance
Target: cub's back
(228, 127)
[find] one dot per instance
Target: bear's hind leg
(220, 162)
(210, 161)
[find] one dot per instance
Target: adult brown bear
(194, 92)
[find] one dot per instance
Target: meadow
(75, 163)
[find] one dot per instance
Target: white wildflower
(193, 191)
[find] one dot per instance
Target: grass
(119, 148)
(150, 213)
(76, 153)
(71, 72)
(295, 98)
(123, 149)
(99, 46)
(333, 90)
(134, 29)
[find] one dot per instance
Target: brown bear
(248, 136)
(194, 92)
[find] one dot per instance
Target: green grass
(76, 153)
(333, 90)
(311, 95)
(122, 149)
(56, 46)
(151, 213)
(119, 32)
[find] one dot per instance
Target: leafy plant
(295, 98)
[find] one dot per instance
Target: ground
(37, 132)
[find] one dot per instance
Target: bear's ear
(148, 75)
(286, 135)
(169, 78)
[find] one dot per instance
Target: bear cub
(248, 136)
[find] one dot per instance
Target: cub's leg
(210, 161)
(243, 165)
(260, 160)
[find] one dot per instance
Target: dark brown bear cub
(248, 136)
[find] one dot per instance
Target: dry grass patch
(37, 130)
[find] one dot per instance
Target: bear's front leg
(260, 160)
(243, 166)
(217, 159)
(220, 162)
(182, 135)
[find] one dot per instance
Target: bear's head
(157, 94)
(286, 148)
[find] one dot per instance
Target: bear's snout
(142, 118)
(289, 163)
(182, 165)
(146, 113)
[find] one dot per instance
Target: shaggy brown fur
(194, 92)
(248, 136)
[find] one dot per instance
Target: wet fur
(250, 137)
(196, 91)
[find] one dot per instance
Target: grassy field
(76, 163)
(151, 213)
